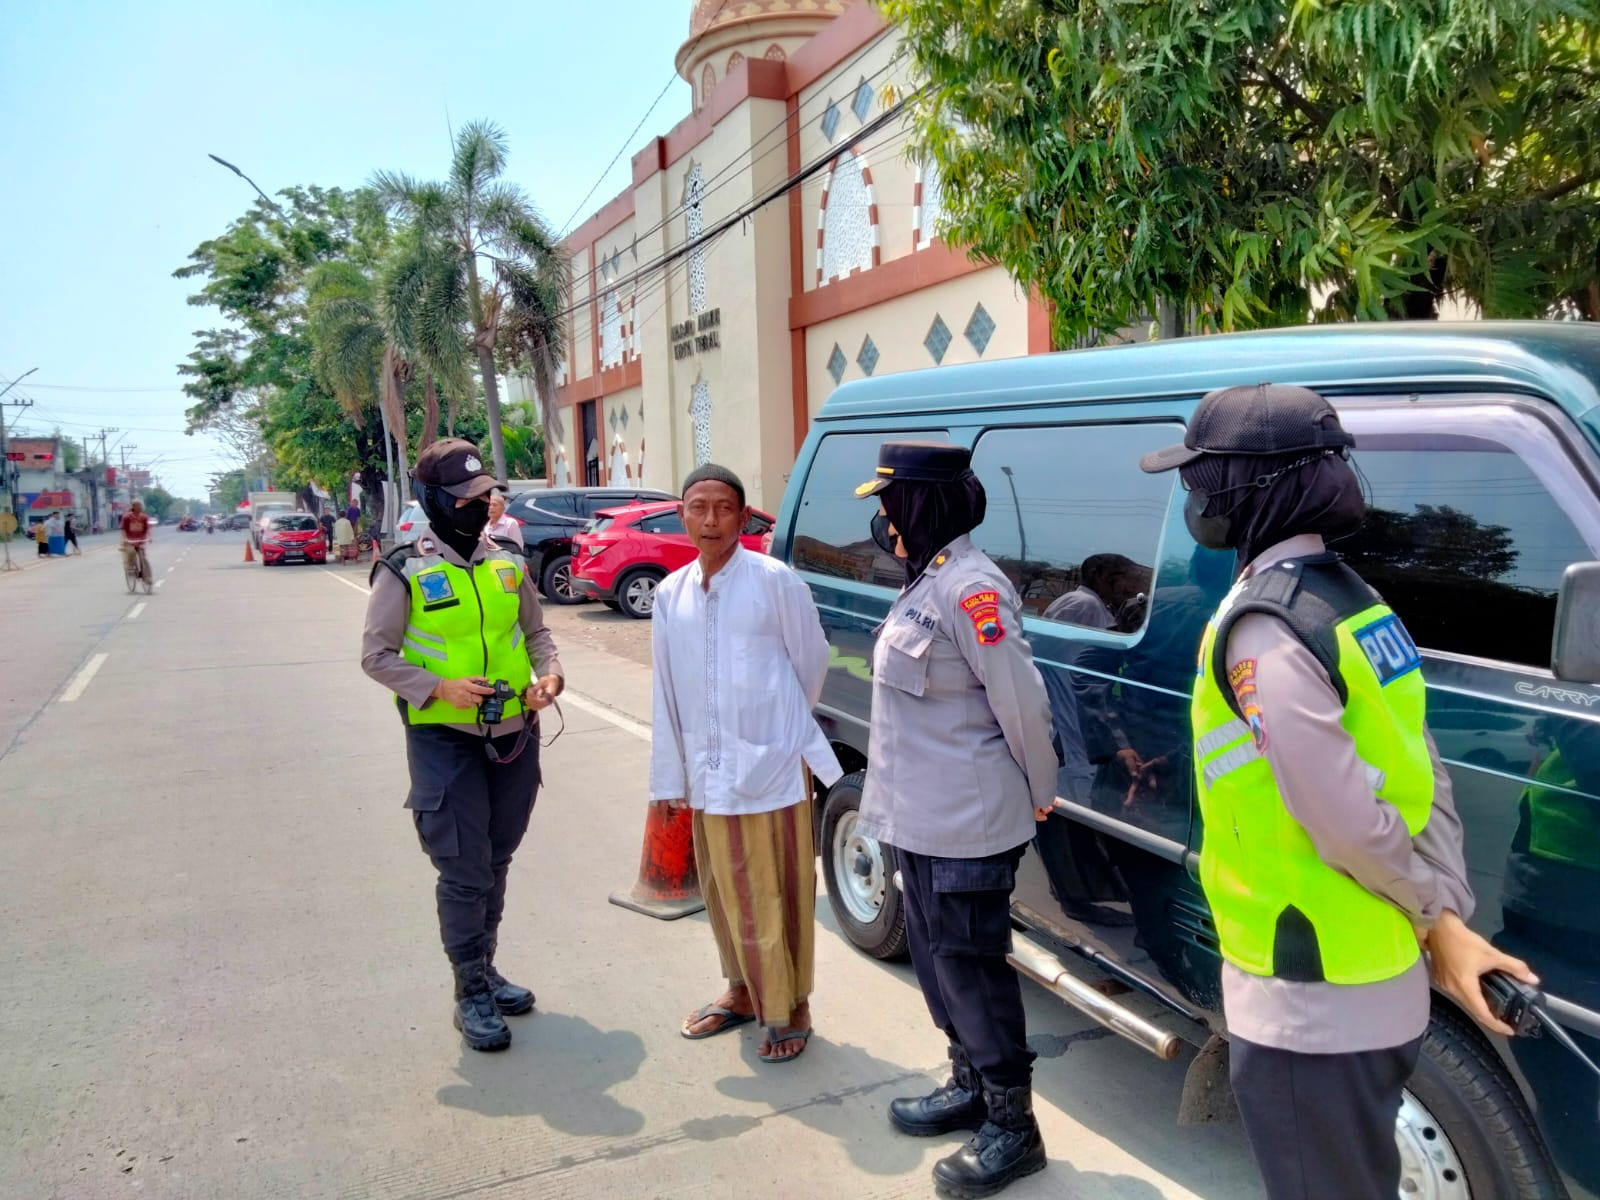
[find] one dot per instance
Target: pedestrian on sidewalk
(500, 525)
(454, 621)
(72, 533)
(955, 695)
(41, 535)
(740, 659)
(344, 537)
(57, 532)
(326, 521)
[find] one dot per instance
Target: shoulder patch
(435, 586)
(1258, 725)
(508, 577)
(983, 610)
(1242, 679)
(1389, 648)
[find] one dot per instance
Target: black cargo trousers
(471, 814)
(958, 929)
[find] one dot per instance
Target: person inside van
(1332, 850)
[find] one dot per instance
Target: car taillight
(405, 526)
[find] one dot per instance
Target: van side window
(1464, 541)
(1072, 521)
(833, 529)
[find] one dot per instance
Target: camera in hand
(493, 709)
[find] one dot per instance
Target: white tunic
(738, 669)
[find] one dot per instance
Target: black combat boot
(475, 1016)
(511, 1000)
(957, 1105)
(1006, 1148)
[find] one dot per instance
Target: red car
(293, 537)
(625, 552)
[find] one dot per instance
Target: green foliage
(159, 502)
(229, 488)
(483, 272)
(1247, 161)
(71, 452)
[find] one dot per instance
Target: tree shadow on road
(560, 1068)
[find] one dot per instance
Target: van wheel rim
(1430, 1169)
(858, 869)
(641, 594)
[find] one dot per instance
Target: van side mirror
(1575, 650)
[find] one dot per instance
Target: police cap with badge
(454, 465)
(926, 462)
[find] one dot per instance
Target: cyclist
(135, 537)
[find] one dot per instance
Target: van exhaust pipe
(1046, 969)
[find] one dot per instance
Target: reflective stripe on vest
(464, 622)
(1279, 909)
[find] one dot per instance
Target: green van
(1480, 447)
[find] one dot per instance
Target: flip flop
(731, 1020)
(774, 1038)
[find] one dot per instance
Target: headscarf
(1322, 496)
(929, 516)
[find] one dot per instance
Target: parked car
(551, 516)
(413, 523)
(293, 537)
(1479, 448)
(626, 552)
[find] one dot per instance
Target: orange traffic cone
(668, 885)
(249, 554)
(374, 549)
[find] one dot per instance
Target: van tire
(883, 934)
(636, 592)
(1461, 1083)
(555, 580)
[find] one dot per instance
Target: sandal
(730, 1020)
(774, 1038)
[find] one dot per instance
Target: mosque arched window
(694, 220)
(848, 232)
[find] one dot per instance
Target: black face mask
(459, 528)
(469, 520)
(881, 534)
(1210, 532)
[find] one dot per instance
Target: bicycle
(136, 567)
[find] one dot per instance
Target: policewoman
(962, 765)
(1331, 848)
(449, 617)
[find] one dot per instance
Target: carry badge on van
(983, 609)
(1389, 648)
(436, 590)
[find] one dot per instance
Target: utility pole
(105, 461)
(8, 475)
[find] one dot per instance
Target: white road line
(172, 568)
(596, 709)
(75, 688)
(348, 583)
(159, 582)
(133, 613)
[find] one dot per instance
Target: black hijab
(1321, 496)
(929, 516)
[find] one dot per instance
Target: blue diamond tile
(837, 363)
(613, 420)
(868, 358)
(830, 120)
(980, 329)
(938, 339)
(624, 418)
(862, 104)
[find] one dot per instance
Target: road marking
(159, 582)
(133, 613)
(75, 688)
(172, 568)
(335, 575)
(605, 712)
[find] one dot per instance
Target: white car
(411, 525)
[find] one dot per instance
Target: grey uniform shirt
(389, 612)
(960, 751)
(1325, 787)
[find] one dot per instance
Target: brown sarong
(758, 875)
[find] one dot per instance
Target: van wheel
(1463, 1129)
(859, 874)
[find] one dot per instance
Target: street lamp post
(1022, 536)
(270, 201)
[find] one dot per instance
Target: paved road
(219, 975)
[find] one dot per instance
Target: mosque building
(710, 327)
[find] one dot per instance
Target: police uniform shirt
(960, 747)
(1295, 714)
(389, 611)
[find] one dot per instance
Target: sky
(108, 111)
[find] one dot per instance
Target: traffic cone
(668, 885)
(374, 549)
(249, 554)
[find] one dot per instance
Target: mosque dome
(724, 32)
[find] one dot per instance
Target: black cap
(1266, 418)
(930, 462)
(455, 465)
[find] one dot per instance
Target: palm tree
(497, 264)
